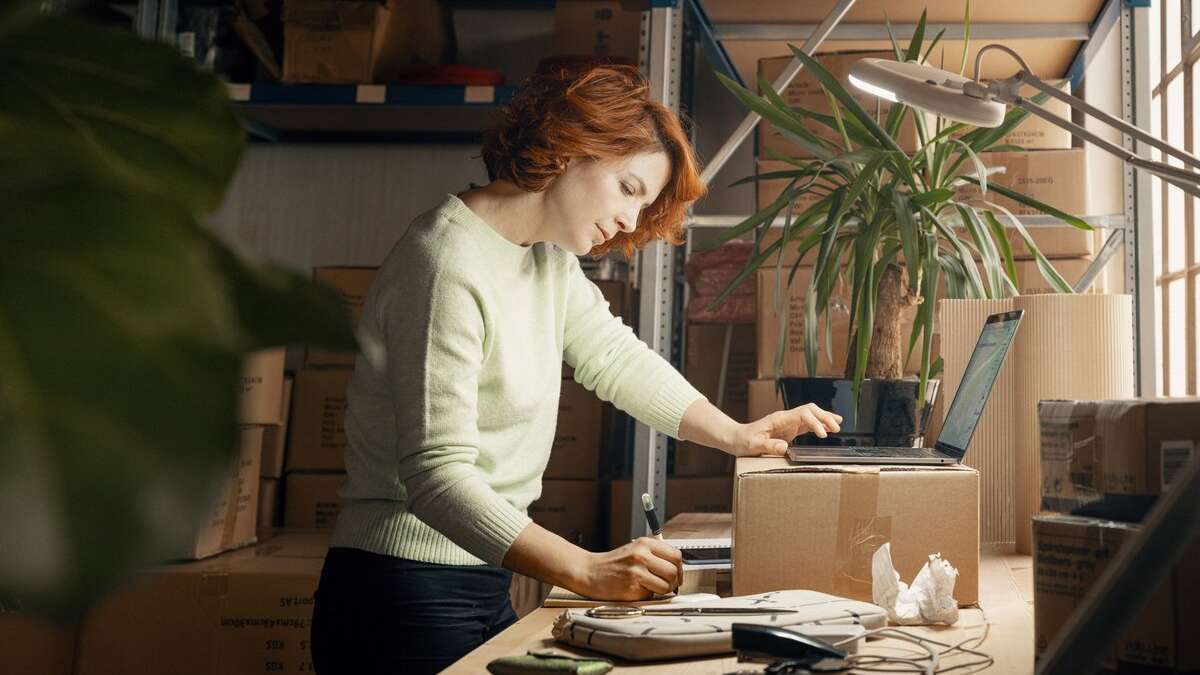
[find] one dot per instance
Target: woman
(452, 408)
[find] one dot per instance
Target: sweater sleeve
(434, 356)
(611, 361)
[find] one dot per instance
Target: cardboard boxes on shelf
(275, 436)
(597, 28)
(361, 41)
(568, 508)
(318, 433)
(1113, 458)
(817, 527)
(711, 345)
(805, 92)
(231, 522)
(352, 283)
(1054, 177)
(311, 500)
(1070, 555)
(576, 450)
(248, 611)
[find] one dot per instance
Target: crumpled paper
(930, 598)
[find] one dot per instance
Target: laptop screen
(978, 379)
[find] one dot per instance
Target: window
(1175, 107)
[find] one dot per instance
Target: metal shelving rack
(662, 45)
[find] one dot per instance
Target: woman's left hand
(772, 434)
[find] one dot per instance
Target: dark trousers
(377, 614)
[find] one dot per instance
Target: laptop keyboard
(862, 451)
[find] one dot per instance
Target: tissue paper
(930, 598)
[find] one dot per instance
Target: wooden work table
(1006, 602)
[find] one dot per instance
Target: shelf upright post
(662, 36)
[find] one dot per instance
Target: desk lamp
(982, 104)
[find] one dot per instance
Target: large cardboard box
(817, 527)
(1034, 133)
(318, 434)
(361, 41)
(231, 522)
(275, 436)
(596, 28)
(706, 352)
(353, 283)
(1070, 555)
(1113, 458)
(1053, 242)
(243, 613)
(1054, 177)
(32, 645)
(261, 387)
(569, 509)
(693, 494)
(805, 92)
(576, 450)
(311, 500)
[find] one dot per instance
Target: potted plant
(123, 319)
(893, 227)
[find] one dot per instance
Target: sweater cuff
(503, 523)
(666, 408)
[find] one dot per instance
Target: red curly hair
(602, 112)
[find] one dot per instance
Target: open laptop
(962, 418)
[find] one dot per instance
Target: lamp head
(930, 89)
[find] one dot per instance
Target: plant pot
(887, 413)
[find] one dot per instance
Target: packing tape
(860, 532)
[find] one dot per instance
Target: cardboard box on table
(311, 500)
(696, 494)
(817, 527)
(242, 613)
(318, 434)
(231, 522)
(1071, 554)
(1113, 458)
(353, 283)
(569, 508)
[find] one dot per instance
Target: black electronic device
(756, 642)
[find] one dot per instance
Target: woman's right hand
(634, 571)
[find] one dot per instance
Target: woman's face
(593, 200)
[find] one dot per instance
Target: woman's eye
(626, 189)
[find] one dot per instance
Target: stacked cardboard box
(247, 611)
(361, 41)
(316, 462)
(1103, 460)
(600, 28)
(270, 491)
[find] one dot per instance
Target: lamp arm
(1179, 177)
(743, 130)
(1026, 77)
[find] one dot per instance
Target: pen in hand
(651, 516)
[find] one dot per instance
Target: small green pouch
(544, 662)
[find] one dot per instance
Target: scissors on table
(628, 612)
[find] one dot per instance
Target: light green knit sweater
(450, 428)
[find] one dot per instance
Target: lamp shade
(931, 89)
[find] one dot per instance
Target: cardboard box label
(261, 387)
(1176, 455)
